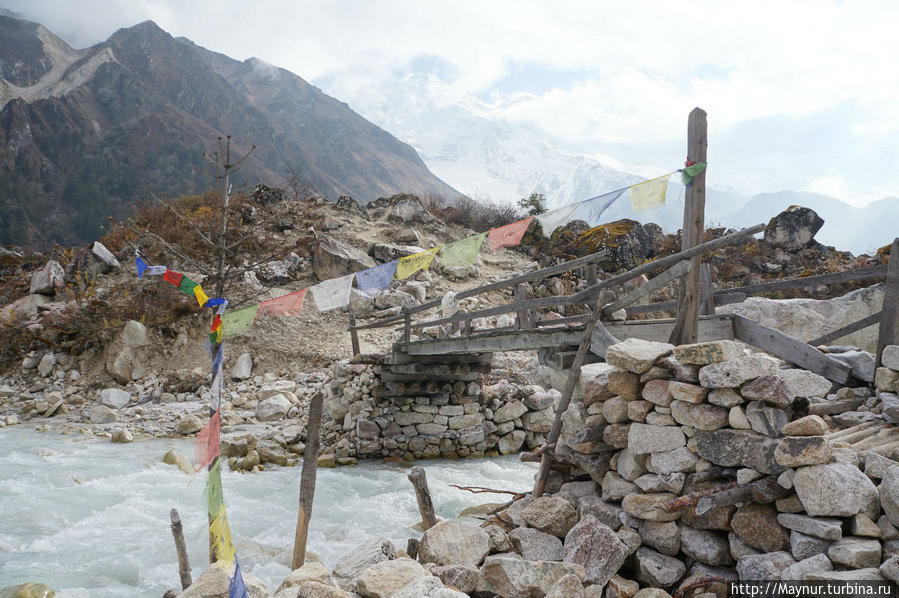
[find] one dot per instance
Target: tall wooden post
(181, 550)
(419, 481)
(686, 330)
(889, 317)
(307, 478)
(354, 334)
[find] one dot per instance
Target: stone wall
(432, 407)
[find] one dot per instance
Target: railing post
(521, 295)
(407, 328)
(888, 334)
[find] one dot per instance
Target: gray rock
(125, 356)
(803, 383)
(889, 494)
(49, 278)
(665, 482)
(649, 506)
(758, 526)
(461, 577)
(121, 435)
(732, 448)
(803, 546)
(664, 536)
(861, 362)
(836, 489)
(332, 259)
(705, 546)
(188, 424)
(454, 543)
(769, 389)
(409, 210)
(636, 355)
(595, 547)
(857, 553)
(23, 309)
(855, 575)
(643, 439)
(890, 569)
(45, 365)
(818, 562)
(114, 398)
(708, 352)
(101, 414)
(511, 442)
(763, 567)
(766, 419)
(386, 578)
(273, 408)
(103, 254)
(573, 492)
(733, 373)
(793, 229)
(820, 527)
(699, 416)
(499, 539)
(890, 357)
(567, 587)
(606, 513)
(352, 564)
(681, 459)
(551, 515)
(534, 545)
(615, 487)
(243, 367)
(215, 582)
(308, 572)
(518, 578)
(797, 451)
(657, 570)
(724, 397)
(810, 425)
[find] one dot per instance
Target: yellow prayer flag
(649, 194)
(220, 537)
(202, 298)
(411, 264)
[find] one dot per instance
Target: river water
(91, 518)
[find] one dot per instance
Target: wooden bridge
(557, 339)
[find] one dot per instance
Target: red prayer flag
(216, 322)
(207, 442)
(173, 277)
(508, 235)
(290, 304)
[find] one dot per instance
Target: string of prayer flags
(550, 221)
(220, 537)
(237, 589)
(409, 265)
(215, 391)
(591, 209)
(290, 304)
(215, 499)
(378, 277)
(173, 277)
(690, 171)
(156, 270)
(141, 266)
(207, 442)
(649, 194)
(237, 322)
(464, 252)
(218, 359)
(508, 235)
(215, 302)
(187, 286)
(333, 293)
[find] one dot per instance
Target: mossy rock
(28, 590)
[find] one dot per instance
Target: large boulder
(732, 448)
(114, 398)
(836, 490)
(626, 243)
(384, 579)
(308, 572)
(49, 278)
(215, 582)
(636, 355)
(348, 204)
(551, 515)
(793, 229)
(331, 259)
(734, 372)
(352, 564)
(23, 309)
(534, 545)
(454, 543)
(596, 548)
(126, 355)
(273, 408)
(408, 209)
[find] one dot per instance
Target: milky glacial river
(91, 518)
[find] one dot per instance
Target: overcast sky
(806, 92)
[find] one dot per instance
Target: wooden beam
(707, 295)
(688, 301)
(496, 342)
(848, 329)
(790, 349)
(307, 478)
(419, 481)
(666, 277)
(889, 321)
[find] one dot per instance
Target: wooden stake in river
(181, 549)
(307, 478)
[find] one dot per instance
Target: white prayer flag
(332, 294)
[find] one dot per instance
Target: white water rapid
(91, 518)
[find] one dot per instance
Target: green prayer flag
(187, 286)
(691, 171)
(214, 497)
(463, 252)
(235, 323)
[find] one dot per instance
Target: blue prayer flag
(141, 267)
(212, 302)
(378, 277)
(237, 589)
(218, 359)
(591, 209)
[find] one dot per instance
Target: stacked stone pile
(886, 379)
(686, 463)
(427, 408)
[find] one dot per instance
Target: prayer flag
(156, 270)
(550, 221)
(237, 589)
(591, 209)
(649, 194)
(215, 302)
(409, 265)
(378, 277)
(216, 335)
(237, 322)
(216, 323)
(187, 286)
(215, 499)
(173, 277)
(218, 359)
(691, 171)
(508, 235)
(220, 537)
(222, 307)
(333, 293)
(215, 391)
(207, 442)
(464, 252)
(290, 304)
(202, 298)
(141, 267)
